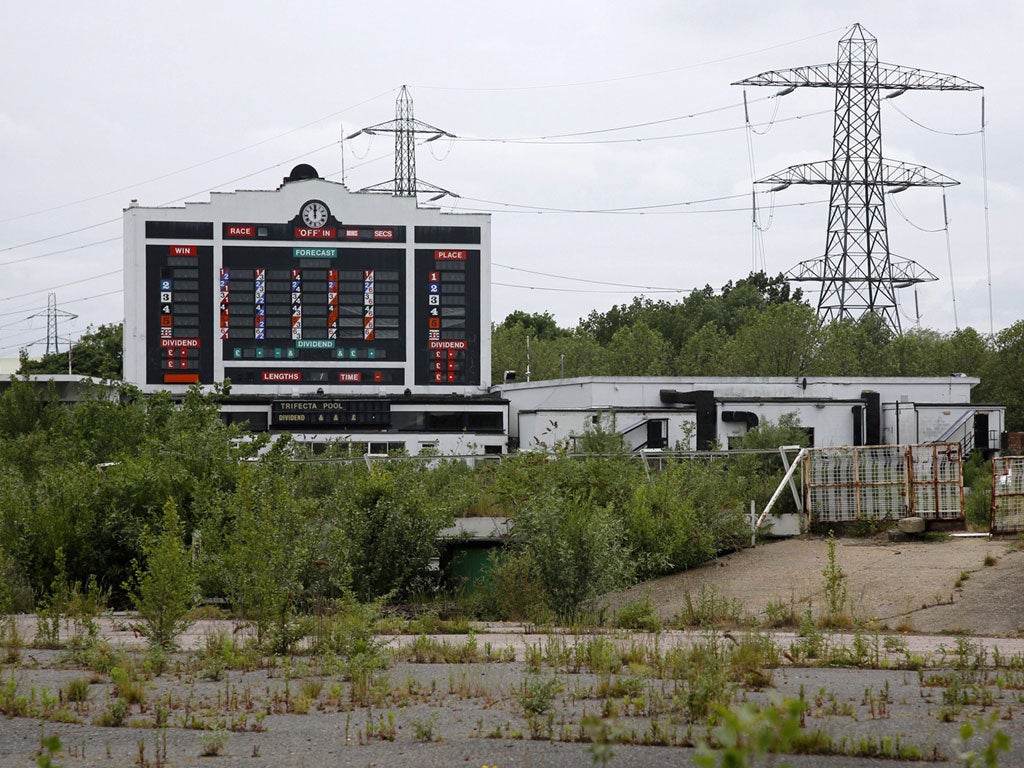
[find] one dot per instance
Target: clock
(315, 214)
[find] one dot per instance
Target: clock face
(315, 214)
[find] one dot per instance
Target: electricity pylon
(858, 272)
(52, 316)
(405, 127)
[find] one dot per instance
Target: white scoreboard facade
(322, 307)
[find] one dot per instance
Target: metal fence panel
(1007, 514)
(854, 483)
(884, 482)
(936, 477)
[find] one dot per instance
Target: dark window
(447, 234)
(485, 421)
(255, 421)
(188, 230)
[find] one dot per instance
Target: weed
(311, 688)
(127, 686)
(751, 661)
(709, 608)
(748, 732)
(638, 614)
(997, 742)
(990, 560)
(50, 746)
(602, 733)
(834, 586)
(778, 613)
(597, 655)
(114, 715)
(536, 694)
(427, 650)
(894, 644)
(212, 743)
(222, 652)
(423, 730)
(384, 728)
(77, 690)
(964, 576)
(810, 642)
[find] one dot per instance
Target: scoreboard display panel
(277, 292)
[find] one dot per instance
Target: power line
(616, 129)
(72, 301)
(556, 211)
(623, 78)
(640, 140)
(583, 279)
(606, 210)
(63, 285)
(928, 128)
(63, 250)
(169, 202)
(195, 165)
(591, 290)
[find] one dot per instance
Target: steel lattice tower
(52, 316)
(405, 127)
(858, 272)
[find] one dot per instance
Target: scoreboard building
(333, 314)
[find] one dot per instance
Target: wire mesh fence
(884, 482)
(1007, 515)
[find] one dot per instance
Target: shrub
(165, 591)
(387, 522)
(575, 549)
(638, 614)
(513, 591)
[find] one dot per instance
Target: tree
(1001, 379)
(98, 353)
(636, 350)
(702, 355)
(853, 348)
(539, 325)
(780, 341)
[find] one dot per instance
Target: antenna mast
(405, 127)
(858, 273)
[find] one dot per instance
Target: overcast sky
(103, 103)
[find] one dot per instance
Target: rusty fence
(1007, 513)
(884, 482)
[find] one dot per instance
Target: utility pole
(858, 273)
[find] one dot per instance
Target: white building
(700, 413)
(358, 317)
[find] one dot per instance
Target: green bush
(165, 590)
(575, 548)
(638, 614)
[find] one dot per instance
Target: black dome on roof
(302, 171)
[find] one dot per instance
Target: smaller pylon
(406, 128)
(52, 316)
